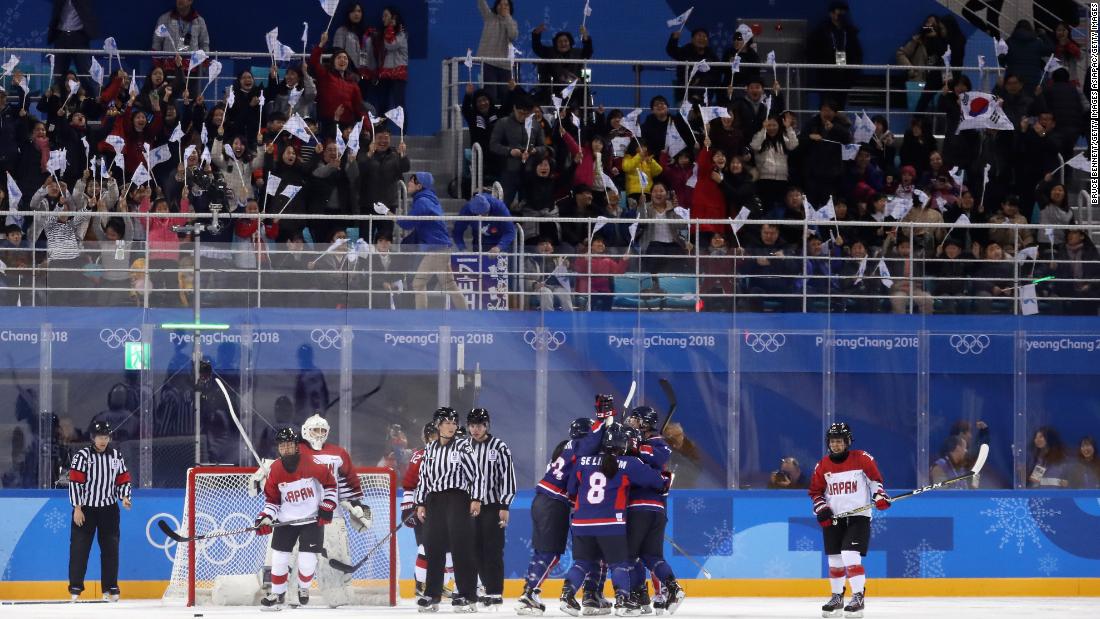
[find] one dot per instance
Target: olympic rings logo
(765, 341)
(327, 338)
(544, 340)
(115, 338)
(969, 344)
(210, 550)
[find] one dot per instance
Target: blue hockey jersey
(555, 482)
(655, 452)
(600, 503)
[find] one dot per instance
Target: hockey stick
(983, 453)
(680, 550)
(340, 566)
(196, 538)
(670, 395)
(237, 422)
(629, 397)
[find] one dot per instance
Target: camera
(213, 184)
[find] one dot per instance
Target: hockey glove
(259, 478)
(825, 517)
(324, 513)
(263, 524)
(360, 515)
(882, 500)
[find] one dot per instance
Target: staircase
(437, 154)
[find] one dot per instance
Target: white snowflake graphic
(878, 524)
(56, 520)
(1020, 521)
(561, 567)
(16, 34)
(1048, 565)
(804, 544)
(777, 568)
(924, 561)
(720, 540)
(696, 505)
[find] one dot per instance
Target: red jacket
(600, 264)
(134, 153)
(707, 201)
(164, 244)
(334, 90)
(677, 179)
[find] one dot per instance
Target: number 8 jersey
(600, 502)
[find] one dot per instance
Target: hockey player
(646, 518)
(550, 519)
(601, 487)
(296, 488)
(408, 509)
(843, 480)
(592, 443)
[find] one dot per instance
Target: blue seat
(679, 292)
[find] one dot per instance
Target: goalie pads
(259, 478)
(360, 515)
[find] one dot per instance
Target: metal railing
(748, 276)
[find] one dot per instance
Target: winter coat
(430, 234)
(336, 89)
(771, 162)
(379, 175)
(395, 55)
(631, 166)
(708, 202)
(497, 33)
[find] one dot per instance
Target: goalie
(332, 583)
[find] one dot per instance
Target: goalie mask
(315, 431)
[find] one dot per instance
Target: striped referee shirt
(448, 467)
(496, 474)
(98, 479)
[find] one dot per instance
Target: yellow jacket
(631, 165)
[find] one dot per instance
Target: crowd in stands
(306, 139)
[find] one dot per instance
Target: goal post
(216, 498)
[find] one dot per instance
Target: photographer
(788, 477)
(925, 48)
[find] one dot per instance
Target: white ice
(800, 608)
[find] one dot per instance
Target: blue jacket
(494, 232)
(600, 507)
(555, 482)
(426, 233)
(655, 452)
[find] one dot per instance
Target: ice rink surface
(952, 608)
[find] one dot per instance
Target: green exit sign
(137, 356)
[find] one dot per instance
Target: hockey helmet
(605, 405)
(429, 430)
(581, 426)
(287, 435)
(646, 415)
(444, 413)
(615, 441)
(839, 430)
(315, 431)
(633, 439)
(101, 428)
(460, 432)
(477, 415)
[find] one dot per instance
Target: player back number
(597, 483)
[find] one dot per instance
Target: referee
(448, 498)
(497, 479)
(97, 480)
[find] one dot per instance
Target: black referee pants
(104, 521)
(489, 542)
(449, 527)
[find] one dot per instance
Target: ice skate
(273, 602)
(834, 607)
(425, 604)
(460, 604)
(641, 596)
(569, 603)
(674, 596)
(529, 603)
(303, 596)
(594, 603)
(490, 602)
(626, 606)
(854, 608)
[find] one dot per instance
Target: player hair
(609, 466)
(557, 450)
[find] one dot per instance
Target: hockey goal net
(217, 499)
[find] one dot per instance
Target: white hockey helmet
(315, 431)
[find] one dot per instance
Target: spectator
(952, 463)
(356, 37)
(1010, 237)
(1068, 52)
(1056, 212)
(286, 163)
(726, 133)
(73, 25)
(1046, 465)
(956, 40)
(329, 186)
(962, 429)
(338, 97)
(822, 138)
(430, 237)
(383, 275)
(789, 476)
(662, 243)
(511, 144)
(686, 462)
(236, 164)
(1086, 473)
(745, 75)
(574, 235)
(697, 49)
(393, 74)
(114, 241)
(773, 148)
(1078, 271)
(481, 113)
(500, 31)
(708, 201)
(297, 87)
(960, 148)
(290, 267)
(598, 290)
(1064, 101)
(1026, 53)
(965, 205)
(854, 281)
(907, 275)
(925, 239)
(381, 168)
(934, 170)
(835, 42)
(555, 76)
(1038, 146)
(738, 188)
(677, 174)
(719, 274)
(769, 270)
(640, 169)
(593, 164)
(538, 199)
(917, 145)
(818, 283)
(882, 145)
(64, 231)
(187, 31)
(994, 280)
(655, 127)
(16, 278)
(251, 246)
(164, 250)
(548, 279)
(863, 171)
(952, 271)
(925, 49)
(493, 234)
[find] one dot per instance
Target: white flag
(947, 58)
(767, 106)
(141, 175)
(296, 127)
(1000, 47)
(381, 209)
(568, 91)
(633, 232)
(24, 84)
(52, 60)
(861, 270)
(204, 135)
(735, 66)
(119, 161)
(885, 273)
(771, 60)
(283, 53)
(73, 86)
(700, 67)
(469, 62)
(601, 221)
(898, 208)
(305, 36)
(674, 142)
(397, 115)
(608, 184)
(528, 126)
(329, 6)
(162, 31)
(341, 145)
(738, 222)
(14, 194)
(512, 53)
(981, 110)
(353, 138)
(272, 40)
(187, 152)
(1028, 253)
(827, 212)
(273, 184)
(57, 161)
(230, 98)
(682, 212)
(96, 71)
(177, 133)
(693, 180)
(809, 213)
(1052, 65)
(111, 47)
(197, 58)
(1029, 300)
(685, 108)
(863, 130)
(290, 191)
(213, 71)
(941, 203)
(630, 122)
(587, 9)
(1049, 232)
(159, 155)
(681, 19)
(963, 220)
(1080, 162)
(204, 158)
(981, 61)
(920, 199)
(293, 96)
(134, 91)
(229, 152)
(956, 174)
(262, 102)
(711, 112)
(848, 152)
(746, 33)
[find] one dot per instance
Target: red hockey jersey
(411, 478)
(338, 461)
(846, 485)
(292, 496)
